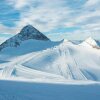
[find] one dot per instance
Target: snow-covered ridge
(90, 42)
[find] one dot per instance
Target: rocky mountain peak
(28, 32)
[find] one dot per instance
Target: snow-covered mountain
(90, 42)
(48, 70)
(28, 32)
(30, 55)
(63, 60)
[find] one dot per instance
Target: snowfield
(51, 60)
(50, 71)
(14, 90)
(32, 67)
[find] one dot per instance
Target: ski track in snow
(7, 71)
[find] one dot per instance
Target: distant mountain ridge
(91, 42)
(28, 32)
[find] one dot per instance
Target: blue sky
(58, 19)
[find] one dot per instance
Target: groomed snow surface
(46, 70)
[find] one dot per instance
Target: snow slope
(90, 42)
(13, 90)
(50, 60)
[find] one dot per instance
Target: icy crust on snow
(50, 60)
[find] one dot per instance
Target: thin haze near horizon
(57, 19)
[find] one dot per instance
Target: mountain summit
(28, 32)
(90, 42)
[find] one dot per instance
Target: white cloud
(18, 4)
(8, 30)
(92, 2)
(47, 15)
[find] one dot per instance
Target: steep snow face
(26, 47)
(50, 60)
(28, 32)
(90, 42)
